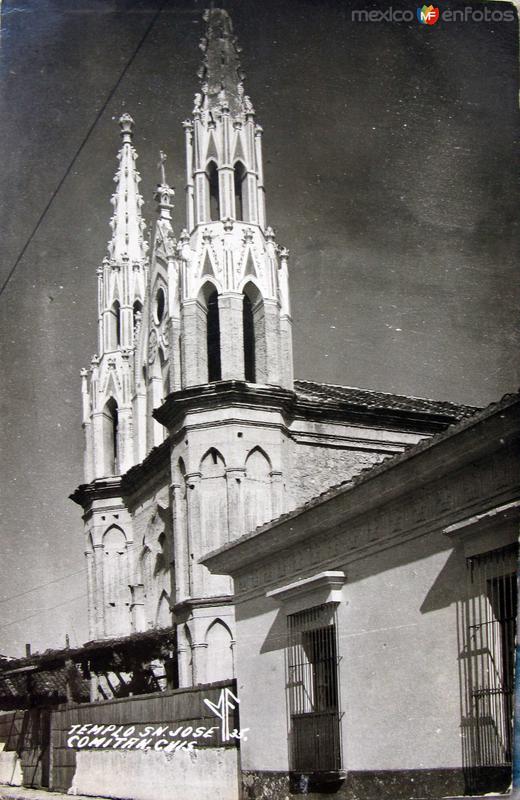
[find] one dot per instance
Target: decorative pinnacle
(127, 242)
(126, 124)
(164, 194)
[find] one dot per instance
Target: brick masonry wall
(315, 468)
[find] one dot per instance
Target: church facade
(196, 431)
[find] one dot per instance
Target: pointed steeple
(221, 73)
(127, 223)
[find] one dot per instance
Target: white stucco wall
(261, 685)
(399, 669)
(205, 773)
(10, 768)
(399, 679)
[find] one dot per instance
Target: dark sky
(390, 175)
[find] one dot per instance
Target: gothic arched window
(240, 183)
(214, 200)
(213, 338)
(137, 315)
(253, 322)
(249, 341)
(111, 437)
(115, 325)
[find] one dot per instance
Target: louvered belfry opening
(313, 692)
(213, 339)
(488, 659)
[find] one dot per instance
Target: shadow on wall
(486, 628)
(482, 590)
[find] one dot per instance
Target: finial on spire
(162, 159)
(126, 124)
(164, 193)
(221, 74)
(127, 224)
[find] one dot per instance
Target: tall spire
(127, 223)
(220, 72)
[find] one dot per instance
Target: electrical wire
(42, 611)
(80, 148)
(41, 586)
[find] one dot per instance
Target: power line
(80, 148)
(41, 586)
(43, 611)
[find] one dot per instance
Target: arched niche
(213, 500)
(163, 613)
(213, 191)
(110, 429)
(219, 660)
(257, 485)
(116, 580)
(240, 190)
(115, 325)
(253, 322)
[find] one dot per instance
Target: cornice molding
(99, 489)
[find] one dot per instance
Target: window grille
(312, 686)
(489, 657)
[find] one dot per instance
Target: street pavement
(21, 793)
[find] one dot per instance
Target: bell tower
(109, 405)
(235, 315)
(108, 392)
(231, 374)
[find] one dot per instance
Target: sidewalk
(21, 793)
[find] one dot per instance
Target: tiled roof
(40, 684)
(372, 471)
(368, 400)
(54, 658)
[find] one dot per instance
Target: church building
(196, 432)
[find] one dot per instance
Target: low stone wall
(10, 768)
(185, 775)
(140, 747)
(181, 743)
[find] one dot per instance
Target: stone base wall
(431, 784)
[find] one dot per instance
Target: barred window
(312, 686)
(489, 651)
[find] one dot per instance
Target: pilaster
(231, 336)
(184, 658)
(91, 593)
(272, 341)
(235, 487)
(99, 631)
(180, 541)
(196, 587)
(193, 344)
